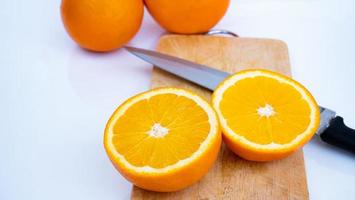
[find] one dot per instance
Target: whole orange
(102, 25)
(187, 16)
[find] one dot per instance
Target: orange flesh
(186, 127)
(290, 112)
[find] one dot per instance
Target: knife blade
(331, 130)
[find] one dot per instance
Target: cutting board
(232, 177)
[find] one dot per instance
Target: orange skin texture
(177, 180)
(260, 155)
(187, 16)
(102, 25)
(171, 181)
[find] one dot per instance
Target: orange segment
(161, 134)
(265, 115)
(135, 136)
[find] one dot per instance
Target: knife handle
(338, 134)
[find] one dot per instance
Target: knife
(332, 129)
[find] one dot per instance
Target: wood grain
(232, 177)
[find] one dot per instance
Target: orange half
(163, 140)
(265, 115)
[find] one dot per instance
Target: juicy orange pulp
(265, 115)
(164, 139)
(158, 123)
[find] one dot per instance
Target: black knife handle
(338, 134)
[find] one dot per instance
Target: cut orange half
(265, 115)
(163, 140)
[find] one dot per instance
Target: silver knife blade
(326, 115)
(203, 75)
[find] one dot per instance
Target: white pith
(218, 95)
(158, 131)
(266, 111)
(148, 169)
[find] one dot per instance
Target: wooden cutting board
(232, 177)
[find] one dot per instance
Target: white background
(56, 98)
